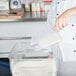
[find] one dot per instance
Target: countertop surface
(67, 69)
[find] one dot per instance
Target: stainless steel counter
(67, 69)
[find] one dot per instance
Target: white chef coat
(68, 43)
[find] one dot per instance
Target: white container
(26, 61)
(38, 7)
(27, 7)
(33, 5)
(4, 5)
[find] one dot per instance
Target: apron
(68, 34)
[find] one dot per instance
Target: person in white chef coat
(62, 17)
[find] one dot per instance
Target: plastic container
(25, 60)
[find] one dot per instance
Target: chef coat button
(73, 38)
(72, 25)
(74, 50)
(57, 14)
(58, 2)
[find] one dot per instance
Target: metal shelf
(28, 16)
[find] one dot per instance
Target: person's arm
(62, 20)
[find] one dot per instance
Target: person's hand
(62, 21)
